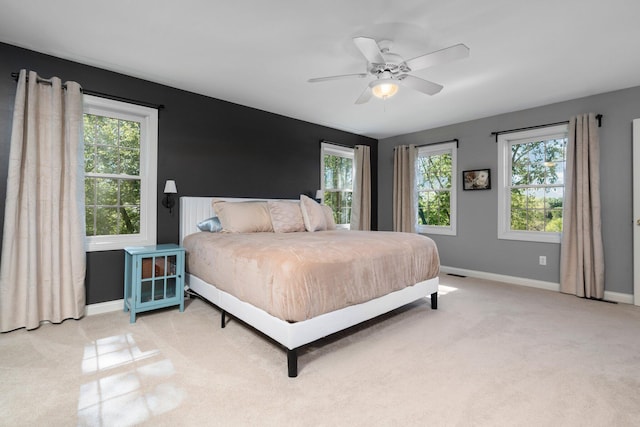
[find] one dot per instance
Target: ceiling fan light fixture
(384, 88)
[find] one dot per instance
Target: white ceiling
(524, 53)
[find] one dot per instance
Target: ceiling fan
(391, 70)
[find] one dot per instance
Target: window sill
(530, 236)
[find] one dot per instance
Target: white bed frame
(291, 335)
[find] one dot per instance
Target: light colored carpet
(493, 354)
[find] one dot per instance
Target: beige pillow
(286, 216)
(313, 214)
(328, 217)
(243, 217)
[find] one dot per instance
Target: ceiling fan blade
(370, 49)
(441, 56)
(340, 77)
(421, 85)
(364, 96)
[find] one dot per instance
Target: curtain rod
(433, 143)
(441, 142)
(598, 118)
(15, 77)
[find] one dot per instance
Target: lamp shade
(384, 88)
(170, 187)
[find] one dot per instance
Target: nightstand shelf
(153, 278)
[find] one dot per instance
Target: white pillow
(286, 216)
(328, 217)
(313, 214)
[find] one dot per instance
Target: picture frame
(477, 179)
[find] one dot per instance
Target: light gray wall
(476, 246)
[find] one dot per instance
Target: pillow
(328, 217)
(286, 216)
(210, 224)
(312, 214)
(243, 217)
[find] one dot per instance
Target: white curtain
(404, 206)
(582, 254)
(361, 202)
(43, 257)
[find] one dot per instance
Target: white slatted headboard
(192, 211)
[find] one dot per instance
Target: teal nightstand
(153, 278)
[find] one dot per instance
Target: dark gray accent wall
(209, 146)
(476, 246)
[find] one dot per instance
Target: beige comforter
(296, 276)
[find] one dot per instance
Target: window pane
(106, 131)
(519, 165)
(90, 191)
(107, 192)
(129, 134)
(130, 192)
(106, 160)
(106, 221)
(338, 172)
(422, 175)
(340, 203)
(434, 208)
(554, 173)
(130, 161)
(518, 209)
(535, 220)
(89, 216)
(537, 173)
(555, 150)
(536, 152)
(434, 172)
(89, 157)
(554, 197)
(129, 220)
(519, 219)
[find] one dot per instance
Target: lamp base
(168, 202)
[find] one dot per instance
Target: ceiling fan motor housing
(394, 64)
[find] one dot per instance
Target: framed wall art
(479, 179)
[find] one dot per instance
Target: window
(336, 166)
(531, 184)
(120, 153)
(436, 172)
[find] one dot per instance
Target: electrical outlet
(543, 260)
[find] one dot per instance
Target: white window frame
(336, 150)
(436, 149)
(505, 141)
(148, 119)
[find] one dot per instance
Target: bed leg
(223, 320)
(434, 301)
(292, 362)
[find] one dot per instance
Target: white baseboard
(104, 307)
(618, 297)
(521, 281)
(117, 305)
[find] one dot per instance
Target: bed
(259, 285)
